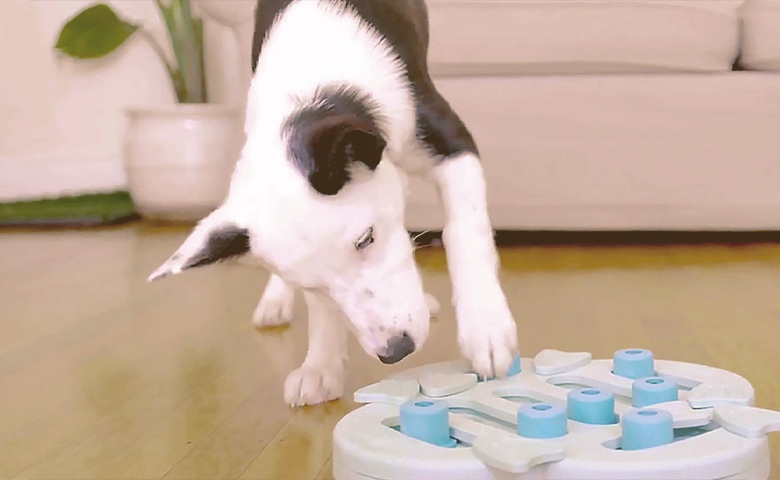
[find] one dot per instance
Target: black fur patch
(336, 130)
(439, 128)
(221, 245)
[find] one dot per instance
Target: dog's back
(403, 23)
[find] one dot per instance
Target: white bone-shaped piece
(489, 404)
(503, 450)
(455, 366)
(683, 416)
(747, 421)
(597, 375)
(515, 454)
(709, 395)
(445, 384)
(391, 392)
(554, 362)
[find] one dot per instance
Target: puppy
(341, 108)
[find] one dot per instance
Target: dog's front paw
(487, 335)
(433, 305)
(312, 385)
(275, 307)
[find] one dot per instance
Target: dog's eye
(365, 240)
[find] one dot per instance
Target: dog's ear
(212, 240)
(334, 144)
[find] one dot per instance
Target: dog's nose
(398, 347)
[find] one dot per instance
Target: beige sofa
(615, 114)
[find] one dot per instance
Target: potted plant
(178, 158)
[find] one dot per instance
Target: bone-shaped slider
(747, 421)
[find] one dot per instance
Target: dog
(340, 111)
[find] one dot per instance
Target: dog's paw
(433, 305)
(273, 312)
(487, 335)
(275, 307)
(312, 385)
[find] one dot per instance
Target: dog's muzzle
(398, 348)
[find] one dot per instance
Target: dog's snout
(398, 348)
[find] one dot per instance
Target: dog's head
(313, 201)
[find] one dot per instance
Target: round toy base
(760, 472)
(717, 434)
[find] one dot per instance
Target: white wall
(61, 120)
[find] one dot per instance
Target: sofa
(614, 114)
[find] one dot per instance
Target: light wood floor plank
(103, 375)
(310, 431)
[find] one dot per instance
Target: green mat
(78, 210)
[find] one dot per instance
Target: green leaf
(94, 32)
(198, 24)
(186, 37)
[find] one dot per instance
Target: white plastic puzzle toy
(559, 415)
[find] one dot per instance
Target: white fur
(433, 304)
(321, 377)
(276, 305)
(307, 240)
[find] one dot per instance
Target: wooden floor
(103, 376)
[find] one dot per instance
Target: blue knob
(646, 428)
(514, 369)
(541, 420)
(427, 420)
(633, 363)
(591, 405)
(651, 390)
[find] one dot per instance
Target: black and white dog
(340, 109)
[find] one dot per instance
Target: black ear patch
(334, 144)
(329, 136)
(222, 244)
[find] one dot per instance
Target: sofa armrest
(761, 35)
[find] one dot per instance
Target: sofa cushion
(761, 43)
(639, 152)
(490, 37)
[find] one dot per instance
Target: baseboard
(424, 216)
(513, 238)
(53, 174)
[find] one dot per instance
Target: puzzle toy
(560, 415)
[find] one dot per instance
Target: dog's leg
(433, 304)
(487, 332)
(321, 377)
(275, 307)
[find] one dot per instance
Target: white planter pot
(179, 159)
